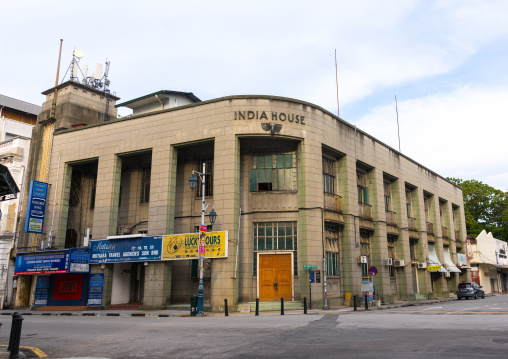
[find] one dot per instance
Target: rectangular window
(363, 190)
(328, 175)
(332, 248)
(275, 236)
(391, 253)
(408, 204)
(92, 195)
(365, 250)
(273, 172)
(145, 185)
(412, 249)
(388, 196)
(208, 177)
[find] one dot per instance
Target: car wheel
(476, 296)
(483, 296)
(467, 298)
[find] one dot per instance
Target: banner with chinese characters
(186, 246)
(140, 249)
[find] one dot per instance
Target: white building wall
(13, 155)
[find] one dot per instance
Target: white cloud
(459, 134)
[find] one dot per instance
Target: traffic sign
(309, 266)
(372, 271)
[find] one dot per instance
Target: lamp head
(213, 216)
(193, 181)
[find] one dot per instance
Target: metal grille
(76, 189)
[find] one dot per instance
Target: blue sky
(445, 60)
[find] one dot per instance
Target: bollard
(304, 305)
(281, 306)
(226, 307)
(366, 298)
(13, 329)
(17, 320)
(354, 299)
(257, 307)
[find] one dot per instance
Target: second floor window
(273, 172)
(388, 196)
(363, 190)
(145, 185)
(328, 176)
(408, 204)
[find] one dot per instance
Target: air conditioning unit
(362, 259)
(399, 263)
(388, 262)
(447, 267)
(422, 265)
(447, 274)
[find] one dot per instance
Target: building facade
(294, 186)
(17, 119)
(489, 262)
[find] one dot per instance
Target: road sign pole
(310, 291)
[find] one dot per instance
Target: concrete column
(226, 202)
(422, 250)
(402, 246)
(379, 243)
(161, 218)
(107, 195)
(350, 270)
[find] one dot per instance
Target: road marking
(441, 312)
(433, 308)
(36, 351)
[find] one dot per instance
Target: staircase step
(273, 305)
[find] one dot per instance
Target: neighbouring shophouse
(489, 262)
(306, 205)
(17, 119)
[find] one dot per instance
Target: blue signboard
(41, 290)
(36, 207)
(126, 250)
(312, 276)
(95, 289)
(78, 260)
(41, 263)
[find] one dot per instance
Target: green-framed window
(273, 172)
(275, 236)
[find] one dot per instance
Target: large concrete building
(17, 119)
(293, 185)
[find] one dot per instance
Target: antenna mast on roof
(337, 83)
(97, 81)
(397, 111)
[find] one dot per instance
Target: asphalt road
(455, 329)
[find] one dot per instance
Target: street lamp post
(213, 216)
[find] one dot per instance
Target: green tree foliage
(485, 207)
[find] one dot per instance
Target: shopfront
(61, 276)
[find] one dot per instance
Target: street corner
(31, 353)
(24, 352)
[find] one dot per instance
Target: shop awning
(433, 260)
(8, 187)
(448, 260)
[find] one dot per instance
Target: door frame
(262, 252)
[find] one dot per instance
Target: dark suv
(469, 290)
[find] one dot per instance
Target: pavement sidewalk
(162, 313)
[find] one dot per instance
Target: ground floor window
(332, 248)
(391, 254)
(275, 236)
(365, 251)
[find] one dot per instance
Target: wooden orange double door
(275, 277)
